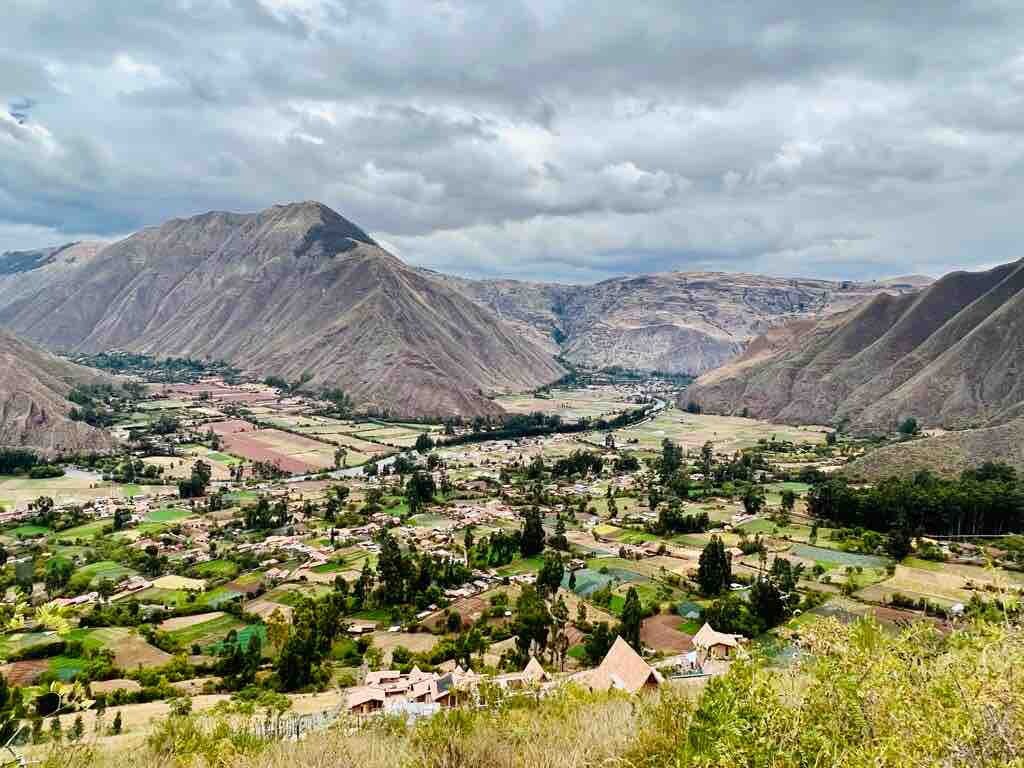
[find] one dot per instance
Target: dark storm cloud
(541, 138)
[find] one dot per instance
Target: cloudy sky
(548, 139)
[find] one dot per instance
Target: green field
(66, 667)
(836, 557)
(523, 565)
(86, 531)
(105, 569)
(243, 638)
(216, 568)
(207, 632)
(167, 515)
(24, 531)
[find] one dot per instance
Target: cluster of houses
(418, 693)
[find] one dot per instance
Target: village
(628, 552)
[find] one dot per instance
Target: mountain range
(949, 356)
(675, 322)
(291, 290)
(298, 289)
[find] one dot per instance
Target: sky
(569, 140)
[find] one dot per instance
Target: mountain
(948, 355)
(33, 402)
(293, 289)
(679, 322)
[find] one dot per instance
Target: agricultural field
(572, 404)
(74, 487)
(293, 453)
(105, 569)
(728, 434)
(204, 630)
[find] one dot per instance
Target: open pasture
(571, 404)
(129, 649)
(727, 433)
(17, 492)
(946, 584)
(417, 642)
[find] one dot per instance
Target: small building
(711, 644)
(622, 669)
(365, 700)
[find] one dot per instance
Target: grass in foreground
(856, 697)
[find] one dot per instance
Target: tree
(549, 578)
(560, 642)
(632, 617)
(56, 732)
(788, 501)
(118, 725)
(391, 569)
(533, 622)
(278, 629)
(707, 459)
(767, 603)
(909, 427)
(898, 544)
(671, 459)
(363, 586)
(106, 588)
(559, 540)
(195, 485)
(419, 490)
(753, 500)
(714, 571)
(598, 643)
(58, 572)
(532, 540)
(423, 443)
(340, 457)
(731, 614)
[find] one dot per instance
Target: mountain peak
(319, 218)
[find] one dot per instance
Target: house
(364, 700)
(711, 644)
(622, 669)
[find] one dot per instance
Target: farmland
(727, 433)
(199, 578)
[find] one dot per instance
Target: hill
(947, 355)
(33, 402)
(946, 454)
(679, 322)
(294, 289)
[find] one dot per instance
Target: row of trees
(987, 500)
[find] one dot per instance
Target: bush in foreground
(857, 697)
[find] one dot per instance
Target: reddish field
(662, 633)
(293, 453)
(24, 672)
(246, 447)
(230, 427)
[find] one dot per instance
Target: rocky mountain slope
(33, 402)
(949, 356)
(293, 289)
(679, 322)
(947, 453)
